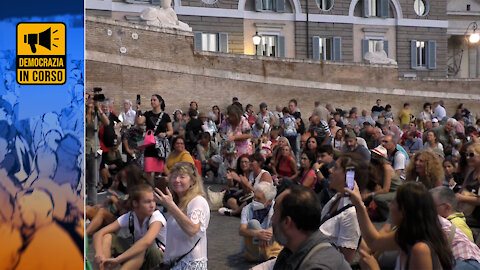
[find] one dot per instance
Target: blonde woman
(468, 199)
(425, 167)
(189, 217)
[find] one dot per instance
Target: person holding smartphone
(339, 218)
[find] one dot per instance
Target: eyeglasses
(470, 155)
(385, 141)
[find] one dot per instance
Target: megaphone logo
(42, 39)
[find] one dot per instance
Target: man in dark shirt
(351, 145)
(367, 133)
(377, 109)
(295, 222)
(192, 131)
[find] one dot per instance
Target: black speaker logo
(43, 39)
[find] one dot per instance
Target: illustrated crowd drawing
(41, 187)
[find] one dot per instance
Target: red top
(283, 167)
(308, 174)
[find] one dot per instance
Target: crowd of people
(307, 192)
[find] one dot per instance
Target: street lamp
(474, 37)
(256, 41)
(456, 59)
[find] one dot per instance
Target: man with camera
(93, 115)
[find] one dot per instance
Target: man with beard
(351, 145)
(295, 221)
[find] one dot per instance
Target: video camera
(97, 96)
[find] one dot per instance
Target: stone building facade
(415, 33)
(127, 59)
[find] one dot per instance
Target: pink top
(243, 146)
(310, 173)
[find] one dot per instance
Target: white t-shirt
(289, 125)
(439, 113)
(342, 229)
(399, 161)
(179, 243)
(140, 231)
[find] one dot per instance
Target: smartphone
(350, 178)
(138, 99)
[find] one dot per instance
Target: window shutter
(384, 8)
(197, 41)
(337, 49)
(281, 46)
(316, 48)
(258, 5)
(364, 47)
(366, 8)
(385, 47)
(280, 5)
(413, 53)
(155, 2)
(223, 42)
(431, 54)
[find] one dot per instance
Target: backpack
(109, 135)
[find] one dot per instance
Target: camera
(97, 96)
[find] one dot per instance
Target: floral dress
(243, 146)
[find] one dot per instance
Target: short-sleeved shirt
(342, 229)
(247, 215)
(310, 173)
(266, 118)
(462, 247)
(150, 121)
(404, 117)
(140, 231)
(243, 146)
(179, 242)
(288, 122)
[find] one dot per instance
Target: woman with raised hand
(418, 238)
(339, 218)
(189, 216)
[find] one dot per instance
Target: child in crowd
(140, 238)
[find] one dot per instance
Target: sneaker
(225, 211)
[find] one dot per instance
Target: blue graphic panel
(41, 148)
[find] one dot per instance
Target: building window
(270, 5)
(420, 7)
(376, 8)
(423, 54)
(324, 48)
(268, 46)
(370, 45)
(324, 5)
(272, 45)
(211, 42)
